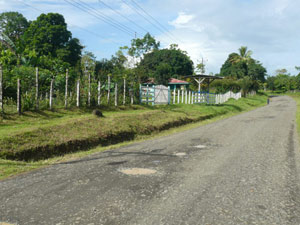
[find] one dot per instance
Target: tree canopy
(48, 36)
(243, 65)
(166, 63)
(13, 25)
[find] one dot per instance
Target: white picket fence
(221, 98)
(189, 97)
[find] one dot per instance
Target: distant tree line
(283, 81)
(47, 46)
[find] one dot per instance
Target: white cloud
(206, 28)
(182, 19)
(213, 29)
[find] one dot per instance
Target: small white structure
(156, 95)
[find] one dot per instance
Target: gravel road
(241, 170)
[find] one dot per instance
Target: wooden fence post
(99, 93)
(186, 97)
(51, 95)
(19, 106)
(36, 88)
(108, 91)
(131, 95)
(66, 89)
(174, 95)
(89, 90)
(1, 89)
(124, 92)
(193, 95)
(116, 94)
(78, 93)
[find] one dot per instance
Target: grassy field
(38, 139)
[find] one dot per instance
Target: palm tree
(244, 55)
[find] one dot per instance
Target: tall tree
(166, 63)
(48, 36)
(243, 65)
(244, 55)
(13, 24)
(141, 46)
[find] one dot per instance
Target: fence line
(189, 97)
(73, 93)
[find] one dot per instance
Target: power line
(109, 19)
(86, 8)
(131, 21)
(157, 22)
(81, 28)
(145, 18)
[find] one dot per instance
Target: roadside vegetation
(35, 137)
(56, 85)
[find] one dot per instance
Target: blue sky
(211, 29)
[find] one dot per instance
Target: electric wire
(86, 8)
(81, 28)
(120, 14)
(156, 21)
(145, 18)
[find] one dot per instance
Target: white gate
(157, 95)
(162, 95)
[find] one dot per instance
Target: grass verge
(35, 138)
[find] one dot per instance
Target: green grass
(35, 136)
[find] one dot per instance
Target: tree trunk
(124, 92)
(78, 94)
(36, 88)
(19, 106)
(99, 93)
(89, 91)
(116, 94)
(66, 89)
(108, 91)
(1, 90)
(51, 95)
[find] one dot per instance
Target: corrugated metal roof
(176, 81)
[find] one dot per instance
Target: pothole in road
(200, 146)
(180, 154)
(138, 171)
